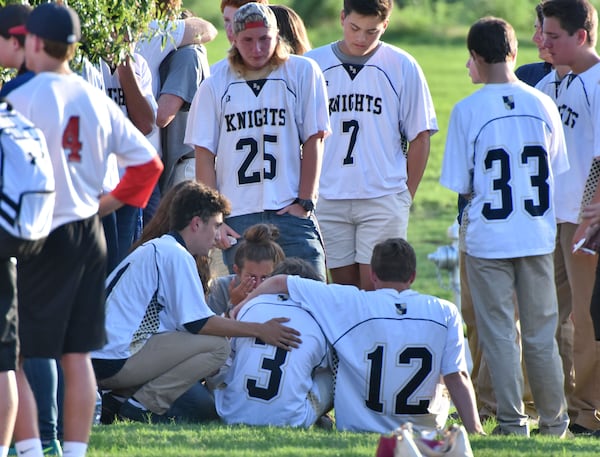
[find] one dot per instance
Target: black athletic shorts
(11, 247)
(61, 292)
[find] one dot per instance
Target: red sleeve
(137, 183)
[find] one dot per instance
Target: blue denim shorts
(298, 237)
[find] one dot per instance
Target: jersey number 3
(401, 405)
(70, 140)
(273, 366)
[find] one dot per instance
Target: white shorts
(352, 228)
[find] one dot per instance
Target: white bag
(27, 191)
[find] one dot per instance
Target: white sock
(137, 404)
(31, 447)
(74, 449)
(3, 451)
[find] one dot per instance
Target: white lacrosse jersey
(578, 101)
(392, 346)
(266, 385)
(374, 108)
(143, 299)
(256, 129)
(504, 146)
(82, 127)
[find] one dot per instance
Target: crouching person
(162, 337)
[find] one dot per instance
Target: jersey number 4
(502, 183)
(70, 139)
(273, 366)
(251, 145)
(401, 404)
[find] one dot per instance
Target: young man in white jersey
(393, 345)
(162, 337)
(378, 101)
(570, 34)
(508, 182)
(61, 308)
(258, 126)
(266, 385)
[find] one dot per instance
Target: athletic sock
(74, 449)
(31, 447)
(4, 451)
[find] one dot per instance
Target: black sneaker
(110, 408)
(580, 430)
(129, 411)
(325, 422)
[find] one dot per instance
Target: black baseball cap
(52, 21)
(11, 16)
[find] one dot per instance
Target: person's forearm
(108, 204)
(221, 326)
(463, 396)
(310, 167)
(416, 161)
(138, 108)
(273, 285)
(205, 167)
(198, 31)
(168, 107)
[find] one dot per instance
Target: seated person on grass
(393, 344)
(267, 385)
(254, 260)
(162, 337)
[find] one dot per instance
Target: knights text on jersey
(266, 385)
(82, 127)
(504, 146)
(375, 108)
(392, 348)
(578, 101)
(256, 129)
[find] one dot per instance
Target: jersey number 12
(375, 386)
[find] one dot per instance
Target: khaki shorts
(351, 228)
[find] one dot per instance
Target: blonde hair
(280, 55)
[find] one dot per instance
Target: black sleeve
(196, 326)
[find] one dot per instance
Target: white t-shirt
(504, 146)
(393, 347)
(374, 109)
(154, 289)
(112, 86)
(578, 101)
(266, 385)
(82, 127)
(256, 129)
(162, 38)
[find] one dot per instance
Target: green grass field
(433, 211)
